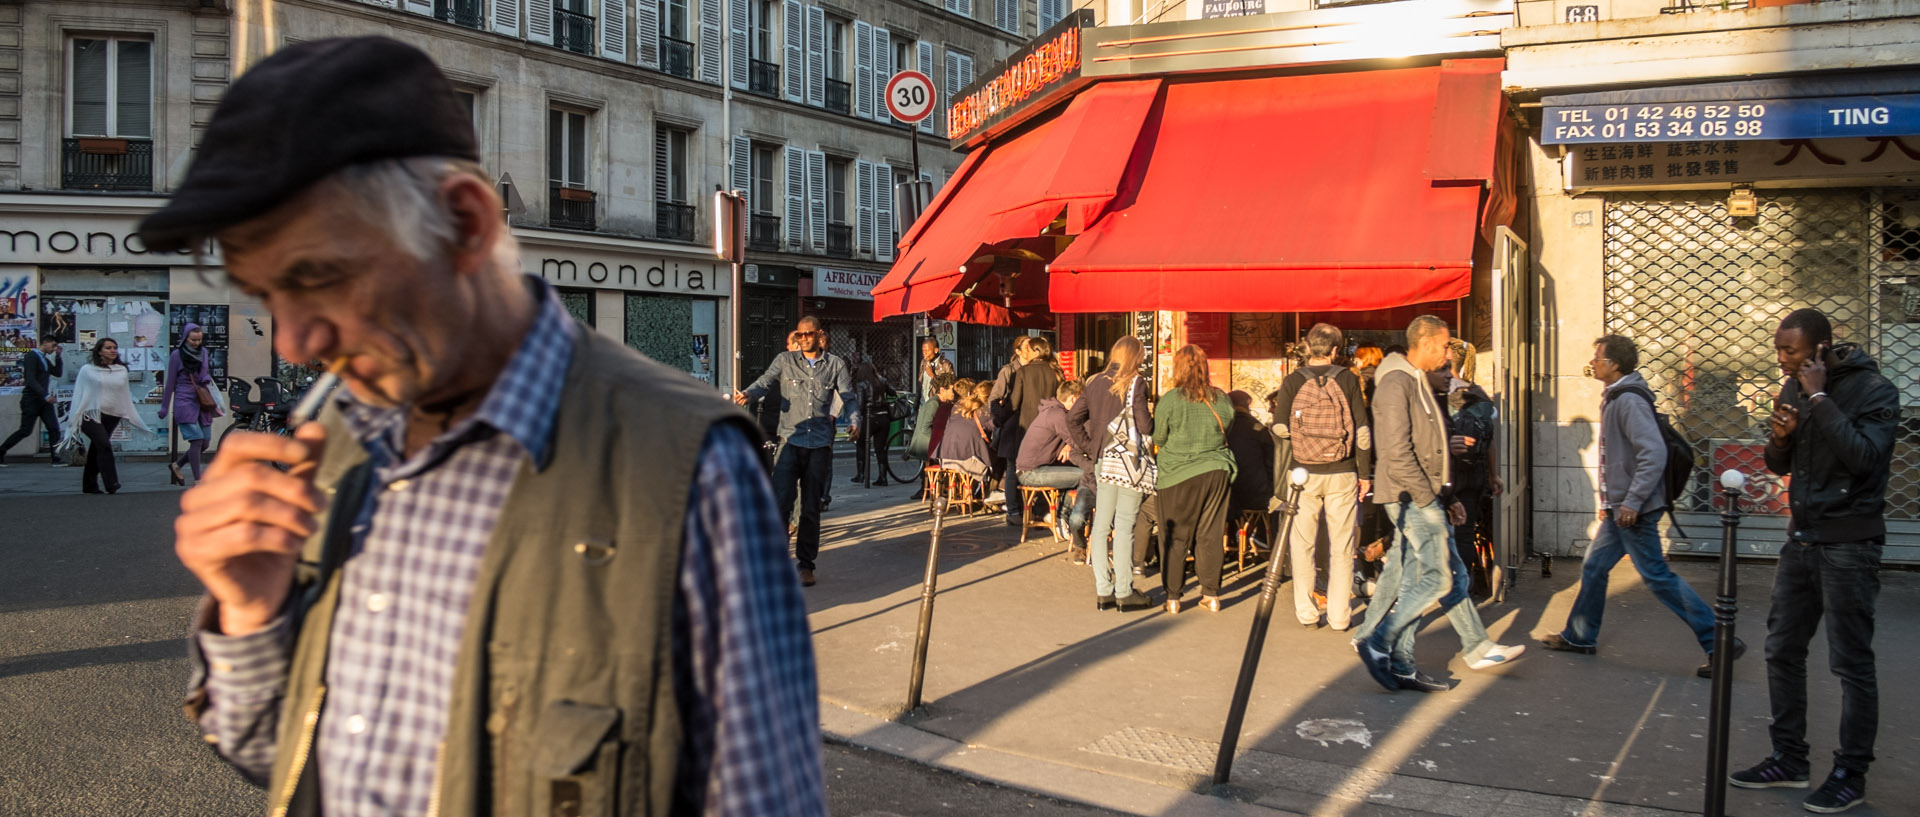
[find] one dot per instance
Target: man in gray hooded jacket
(1633, 464)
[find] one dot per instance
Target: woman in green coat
(1196, 472)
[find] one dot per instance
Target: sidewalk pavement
(22, 477)
(1028, 686)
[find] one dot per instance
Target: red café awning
(1326, 192)
(1074, 162)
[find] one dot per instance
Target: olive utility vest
(563, 699)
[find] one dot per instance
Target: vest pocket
(576, 758)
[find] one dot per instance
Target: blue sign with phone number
(1809, 118)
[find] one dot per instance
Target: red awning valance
(1073, 163)
(1326, 192)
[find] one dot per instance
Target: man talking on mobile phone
(1832, 431)
(519, 569)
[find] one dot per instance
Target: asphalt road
(93, 608)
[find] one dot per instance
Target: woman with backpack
(1113, 423)
(1195, 471)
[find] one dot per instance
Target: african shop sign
(843, 283)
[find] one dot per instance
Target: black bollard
(1257, 638)
(928, 587)
(1724, 608)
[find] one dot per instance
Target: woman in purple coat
(186, 372)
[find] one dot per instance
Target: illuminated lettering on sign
(1044, 67)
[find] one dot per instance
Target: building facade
(1697, 172)
(609, 124)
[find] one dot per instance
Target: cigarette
(316, 396)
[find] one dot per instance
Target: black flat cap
(308, 110)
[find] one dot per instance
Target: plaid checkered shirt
(418, 542)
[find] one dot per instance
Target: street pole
(1732, 484)
(928, 586)
(1257, 637)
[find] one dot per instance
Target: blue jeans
(1423, 568)
(1641, 543)
(1114, 509)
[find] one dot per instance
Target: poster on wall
(17, 340)
(703, 357)
(56, 319)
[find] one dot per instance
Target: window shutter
(420, 6)
(539, 20)
(883, 227)
(613, 29)
(646, 33)
(882, 71)
(133, 93)
(742, 175)
(88, 97)
(862, 78)
(505, 16)
(863, 204)
(1006, 15)
(739, 26)
(1051, 11)
(946, 94)
(794, 76)
(796, 161)
(710, 67)
(662, 165)
(816, 56)
(817, 198)
(953, 6)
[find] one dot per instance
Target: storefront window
(677, 331)
(579, 304)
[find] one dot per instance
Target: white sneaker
(1498, 655)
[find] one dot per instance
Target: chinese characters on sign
(1668, 163)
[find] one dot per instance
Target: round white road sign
(911, 96)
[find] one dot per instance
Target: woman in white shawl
(101, 400)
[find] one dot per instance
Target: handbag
(205, 397)
(1125, 460)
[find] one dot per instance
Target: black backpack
(1680, 463)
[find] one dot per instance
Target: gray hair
(402, 197)
(1322, 339)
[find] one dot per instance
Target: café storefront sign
(1045, 72)
(610, 265)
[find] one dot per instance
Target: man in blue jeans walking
(1832, 430)
(814, 387)
(1633, 464)
(1411, 478)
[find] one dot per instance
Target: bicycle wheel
(228, 433)
(900, 468)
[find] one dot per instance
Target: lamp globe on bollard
(1257, 638)
(1733, 485)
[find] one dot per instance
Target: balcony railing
(672, 222)
(840, 240)
(676, 57)
(573, 31)
(839, 96)
(763, 78)
(570, 208)
(463, 13)
(763, 232)
(87, 163)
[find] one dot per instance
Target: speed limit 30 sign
(911, 96)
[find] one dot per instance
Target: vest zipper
(439, 766)
(308, 723)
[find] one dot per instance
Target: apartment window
(763, 15)
(673, 216)
(573, 25)
(571, 204)
(675, 19)
(762, 195)
(109, 140)
(111, 89)
(904, 55)
(464, 13)
(839, 232)
(836, 49)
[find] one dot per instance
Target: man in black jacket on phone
(1832, 430)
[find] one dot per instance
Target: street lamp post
(1257, 638)
(1732, 484)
